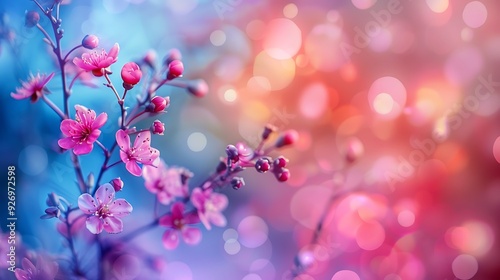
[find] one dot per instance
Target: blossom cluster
(100, 207)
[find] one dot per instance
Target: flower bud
(159, 103)
(198, 88)
(31, 18)
(117, 184)
(175, 69)
(282, 175)
(173, 54)
(131, 73)
(237, 183)
(232, 153)
(157, 127)
(51, 212)
(267, 131)
(280, 162)
(52, 200)
(263, 164)
(287, 138)
(150, 58)
(90, 42)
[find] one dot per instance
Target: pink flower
(34, 88)
(82, 132)
(45, 269)
(209, 205)
(76, 223)
(166, 183)
(104, 213)
(176, 222)
(97, 62)
(141, 152)
(131, 73)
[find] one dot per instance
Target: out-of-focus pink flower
(90, 42)
(198, 88)
(166, 183)
(287, 138)
(209, 205)
(97, 62)
(46, 269)
(177, 223)
(34, 88)
(157, 127)
(82, 132)
(141, 152)
(31, 19)
(104, 213)
(131, 73)
(150, 58)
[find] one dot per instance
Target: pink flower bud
(198, 88)
(288, 137)
(283, 175)
(157, 127)
(267, 131)
(263, 164)
(175, 69)
(90, 42)
(173, 54)
(150, 58)
(117, 184)
(159, 103)
(31, 18)
(131, 73)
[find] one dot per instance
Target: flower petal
(217, 219)
(123, 140)
(87, 204)
(113, 225)
(191, 236)
(66, 143)
(21, 274)
(105, 194)
(133, 168)
(166, 221)
(219, 201)
(69, 127)
(177, 210)
(82, 149)
(114, 51)
(94, 224)
(198, 199)
(28, 265)
(170, 239)
(120, 208)
(100, 121)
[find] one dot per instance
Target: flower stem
(69, 238)
(73, 49)
(111, 86)
(54, 107)
(74, 79)
(46, 35)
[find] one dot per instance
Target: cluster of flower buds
(240, 156)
